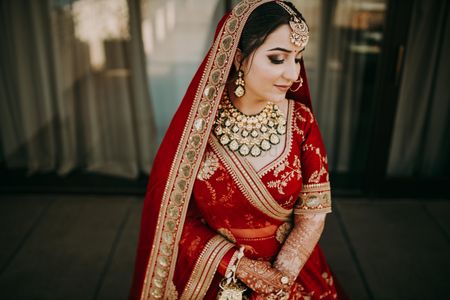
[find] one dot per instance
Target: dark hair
(261, 23)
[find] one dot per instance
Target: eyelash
(280, 61)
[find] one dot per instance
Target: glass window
(176, 35)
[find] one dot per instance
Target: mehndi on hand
(261, 277)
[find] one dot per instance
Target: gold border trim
(178, 188)
(316, 187)
(314, 198)
(205, 268)
(250, 184)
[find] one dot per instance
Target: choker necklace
(249, 134)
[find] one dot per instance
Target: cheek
(264, 74)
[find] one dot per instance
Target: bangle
(230, 274)
(232, 289)
(228, 271)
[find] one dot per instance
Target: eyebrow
(285, 50)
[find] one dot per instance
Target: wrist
(229, 284)
(226, 261)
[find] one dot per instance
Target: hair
(261, 23)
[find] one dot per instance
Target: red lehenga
(204, 201)
(234, 202)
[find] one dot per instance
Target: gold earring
(299, 86)
(239, 91)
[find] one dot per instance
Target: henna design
(300, 243)
(261, 277)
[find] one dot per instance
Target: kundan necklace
(249, 134)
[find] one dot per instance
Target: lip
(282, 87)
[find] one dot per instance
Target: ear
(237, 59)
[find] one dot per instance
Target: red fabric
(225, 261)
(159, 176)
(225, 209)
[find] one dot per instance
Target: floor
(82, 247)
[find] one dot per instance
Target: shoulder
(302, 113)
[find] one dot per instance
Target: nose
(292, 71)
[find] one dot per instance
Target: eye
(276, 60)
(298, 60)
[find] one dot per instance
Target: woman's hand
(261, 277)
(300, 243)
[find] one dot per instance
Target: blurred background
(88, 88)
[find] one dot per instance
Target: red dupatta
(177, 161)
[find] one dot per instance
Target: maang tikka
(300, 32)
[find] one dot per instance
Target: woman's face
(272, 68)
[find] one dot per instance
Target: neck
(247, 104)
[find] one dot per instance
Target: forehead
(280, 37)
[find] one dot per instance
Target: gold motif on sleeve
(308, 111)
(314, 198)
(287, 174)
(208, 166)
(299, 131)
(300, 119)
(283, 232)
(303, 115)
(317, 174)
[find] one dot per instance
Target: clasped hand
(262, 278)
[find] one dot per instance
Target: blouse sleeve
(315, 195)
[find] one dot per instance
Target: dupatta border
(175, 200)
(250, 184)
(205, 268)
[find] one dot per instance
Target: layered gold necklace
(249, 134)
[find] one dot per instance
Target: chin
(276, 98)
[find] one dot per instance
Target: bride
(239, 190)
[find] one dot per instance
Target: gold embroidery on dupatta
(172, 292)
(175, 199)
(205, 268)
(314, 198)
(208, 166)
